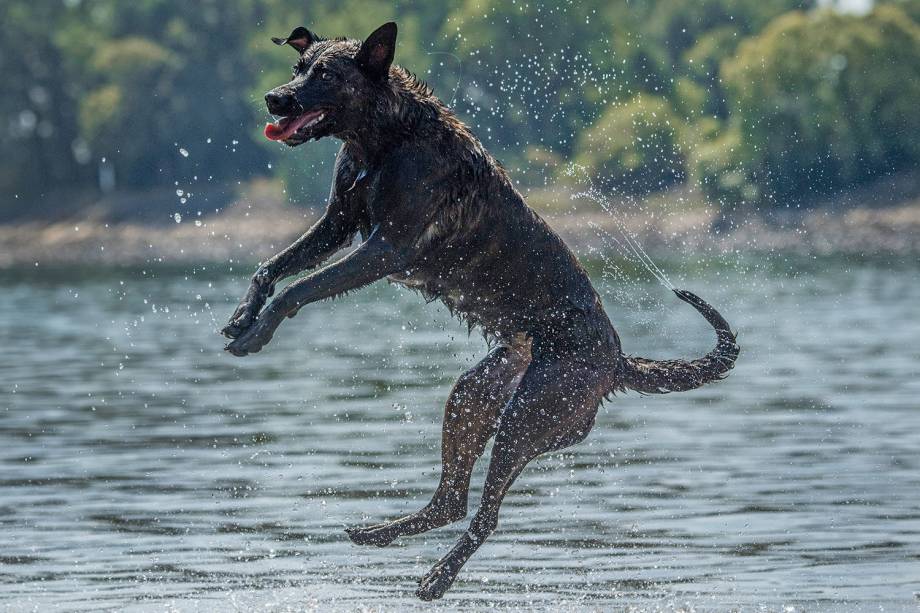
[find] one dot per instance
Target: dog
(438, 214)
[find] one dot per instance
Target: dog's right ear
(301, 38)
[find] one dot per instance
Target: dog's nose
(278, 102)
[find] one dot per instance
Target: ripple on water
(143, 467)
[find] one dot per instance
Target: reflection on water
(143, 467)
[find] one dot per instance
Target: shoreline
(247, 232)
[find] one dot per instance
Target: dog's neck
(409, 111)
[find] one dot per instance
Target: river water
(143, 468)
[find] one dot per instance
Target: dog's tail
(663, 376)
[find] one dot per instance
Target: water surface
(143, 468)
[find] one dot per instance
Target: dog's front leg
(372, 260)
(330, 233)
(260, 289)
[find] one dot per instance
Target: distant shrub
(633, 147)
(819, 102)
(716, 169)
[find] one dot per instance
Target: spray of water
(453, 98)
(628, 245)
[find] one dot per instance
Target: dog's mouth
(295, 128)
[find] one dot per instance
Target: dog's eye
(325, 76)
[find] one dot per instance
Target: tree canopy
(753, 100)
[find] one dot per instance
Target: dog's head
(335, 83)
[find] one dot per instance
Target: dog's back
(486, 254)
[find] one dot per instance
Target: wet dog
(437, 213)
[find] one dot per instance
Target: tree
(634, 147)
(160, 76)
(535, 73)
(824, 101)
(40, 146)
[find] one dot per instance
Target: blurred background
(148, 112)
(764, 153)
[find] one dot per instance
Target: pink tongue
(288, 125)
(273, 131)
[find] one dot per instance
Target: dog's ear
(300, 39)
(376, 53)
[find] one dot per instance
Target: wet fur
(438, 214)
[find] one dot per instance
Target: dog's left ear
(300, 39)
(376, 53)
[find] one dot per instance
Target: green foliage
(516, 63)
(133, 70)
(678, 25)
(824, 101)
(715, 166)
(634, 147)
(910, 7)
(701, 63)
(750, 99)
(38, 132)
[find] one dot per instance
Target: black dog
(438, 214)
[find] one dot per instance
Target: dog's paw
(376, 536)
(438, 580)
(237, 326)
(260, 290)
(241, 320)
(253, 338)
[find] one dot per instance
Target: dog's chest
(364, 191)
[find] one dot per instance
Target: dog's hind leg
(470, 420)
(553, 407)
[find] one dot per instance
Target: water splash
(456, 58)
(629, 247)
